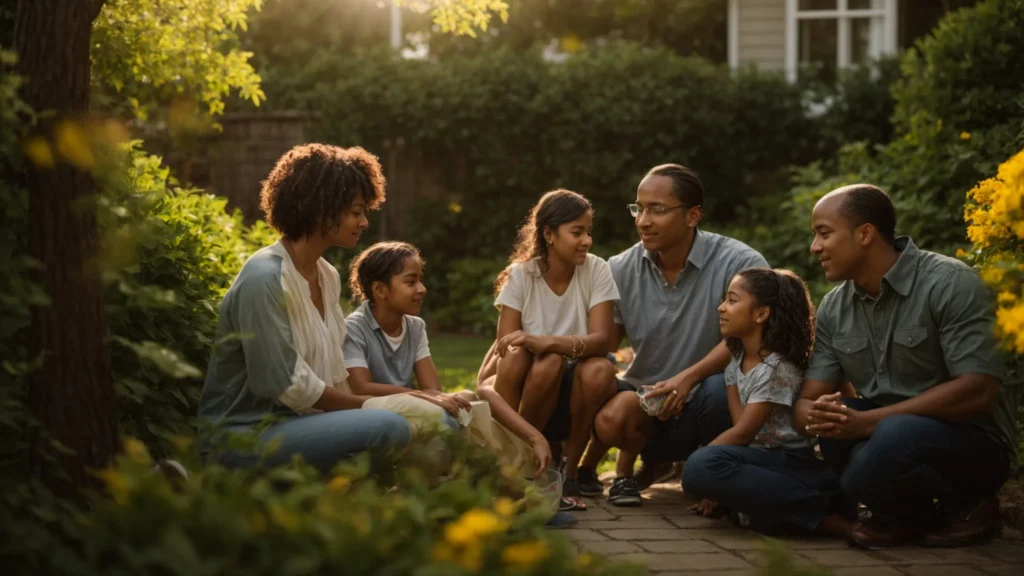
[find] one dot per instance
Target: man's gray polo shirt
(673, 327)
(366, 346)
(932, 321)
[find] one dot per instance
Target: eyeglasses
(656, 210)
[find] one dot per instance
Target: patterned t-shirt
(774, 380)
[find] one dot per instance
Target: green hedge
(498, 128)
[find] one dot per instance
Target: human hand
(705, 507)
(542, 454)
(531, 342)
(445, 401)
(459, 400)
(675, 390)
(830, 418)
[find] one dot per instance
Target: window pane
(817, 4)
(863, 4)
(860, 40)
(817, 48)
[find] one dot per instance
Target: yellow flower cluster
(466, 539)
(994, 212)
(995, 224)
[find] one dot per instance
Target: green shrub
(967, 72)
(290, 520)
(169, 256)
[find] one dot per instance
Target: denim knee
(393, 430)
(699, 471)
(883, 455)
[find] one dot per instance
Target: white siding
(762, 33)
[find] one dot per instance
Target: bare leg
(594, 453)
(512, 370)
(624, 424)
(625, 464)
(593, 384)
(540, 392)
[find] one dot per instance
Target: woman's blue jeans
(327, 438)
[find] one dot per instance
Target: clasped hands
(830, 418)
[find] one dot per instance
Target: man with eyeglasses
(670, 284)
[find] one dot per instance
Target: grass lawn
(458, 358)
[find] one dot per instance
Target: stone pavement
(670, 540)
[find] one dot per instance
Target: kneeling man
(931, 438)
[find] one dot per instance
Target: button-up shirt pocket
(912, 356)
(855, 358)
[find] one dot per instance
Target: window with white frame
(824, 36)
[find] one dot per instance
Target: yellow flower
(454, 207)
(339, 484)
(505, 507)
(965, 135)
(584, 560)
(525, 554)
(1007, 297)
(116, 484)
(1010, 323)
(136, 451)
(39, 153)
(474, 525)
(73, 144)
(992, 275)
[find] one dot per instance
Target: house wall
(762, 33)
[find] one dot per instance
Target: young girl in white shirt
(555, 328)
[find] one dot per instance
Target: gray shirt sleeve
(963, 307)
(354, 349)
(824, 365)
(273, 366)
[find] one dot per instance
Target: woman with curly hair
(281, 328)
(761, 470)
(555, 328)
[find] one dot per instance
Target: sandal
(572, 498)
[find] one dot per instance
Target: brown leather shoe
(874, 534)
(974, 526)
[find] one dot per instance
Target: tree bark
(72, 395)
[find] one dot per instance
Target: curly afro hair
(313, 184)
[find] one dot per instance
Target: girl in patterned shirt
(760, 470)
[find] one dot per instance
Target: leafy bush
(959, 113)
(469, 303)
(967, 72)
(169, 256)
(480, 520)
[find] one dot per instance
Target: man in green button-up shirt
(912, 331)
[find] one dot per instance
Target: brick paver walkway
(667, 538)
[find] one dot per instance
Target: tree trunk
(72, 395)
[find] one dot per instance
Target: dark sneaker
(875, 534)
(656, 473)
(588, 482)
(624, 492)
(965, 527)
